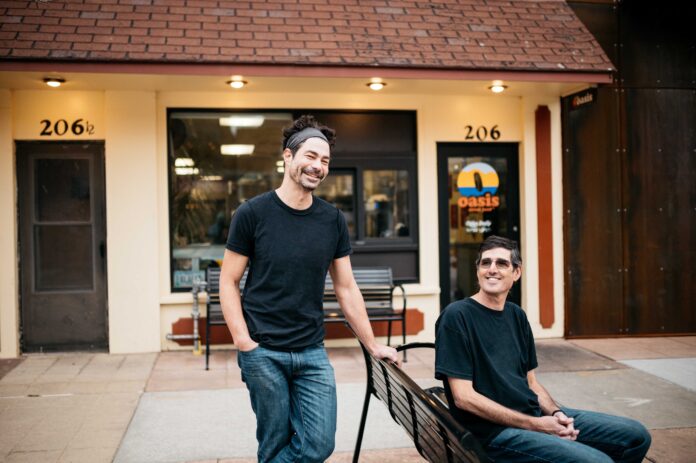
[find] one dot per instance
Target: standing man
(486, 358)
(290, 239)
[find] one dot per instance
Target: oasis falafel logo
(478, 183)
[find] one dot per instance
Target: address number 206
(481, 133)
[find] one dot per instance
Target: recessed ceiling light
(54, 82)
(186, 170)
(237, 150)
(236, 83)
(251, 120)
(376, 85)
(497, 86)
(184, 162)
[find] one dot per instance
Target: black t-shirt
(289, 254)
(493, 349)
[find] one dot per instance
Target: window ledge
(180, 298)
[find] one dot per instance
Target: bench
(376, 285)
(438, 437)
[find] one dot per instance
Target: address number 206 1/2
(481, 133)
(62, 127)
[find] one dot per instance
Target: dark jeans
(293, 395)
(602, 438)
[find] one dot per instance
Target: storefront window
(219, 159)
(386, 203)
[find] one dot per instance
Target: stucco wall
(131, 221)
(9, 314)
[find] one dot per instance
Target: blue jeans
(293, 395)
(602, 438)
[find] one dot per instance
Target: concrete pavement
(166, 408)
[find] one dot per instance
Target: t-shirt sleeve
(453, 356)
(343, 244)
(241, 235)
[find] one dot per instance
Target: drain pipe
(197, 287)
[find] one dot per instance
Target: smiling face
(495, 272)
(310, 164)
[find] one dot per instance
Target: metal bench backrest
(438, 437)
(376, 285)
(214, 309)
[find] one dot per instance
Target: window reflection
(386, 203)
(217, 161)
(338, 189)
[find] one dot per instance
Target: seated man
(486, 358)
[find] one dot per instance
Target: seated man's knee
(642, 436)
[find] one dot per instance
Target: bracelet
(553, 413)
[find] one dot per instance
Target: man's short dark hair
(302, 123)
(493, 242)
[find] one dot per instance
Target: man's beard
(314, 173)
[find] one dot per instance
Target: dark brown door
(62, 238)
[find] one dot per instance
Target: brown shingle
(445, 34)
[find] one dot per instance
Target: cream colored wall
(131, 220)
(31, 107)
(9, 314)
(440, 119)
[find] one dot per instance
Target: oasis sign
(478, 184)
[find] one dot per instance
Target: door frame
(499, 150)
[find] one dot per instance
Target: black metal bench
(376, 285)
(438, 437)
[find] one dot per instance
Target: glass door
(478, 196)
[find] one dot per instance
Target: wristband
(553, 413)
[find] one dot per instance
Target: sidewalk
(165, 408)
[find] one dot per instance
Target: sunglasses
(500, 264)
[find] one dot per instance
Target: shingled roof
(444, 34)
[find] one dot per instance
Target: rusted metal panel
(660, 217)
(592, 210)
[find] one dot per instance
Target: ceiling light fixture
(376, 85)
(497, 86)
(186, 170)
(237, 82)
(54, 82)
(242, 121)
(236, 150)
(184, 162)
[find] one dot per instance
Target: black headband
(308, 132)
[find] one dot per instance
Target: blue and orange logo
(477, 183)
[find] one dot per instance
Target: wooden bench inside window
(375, 283)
